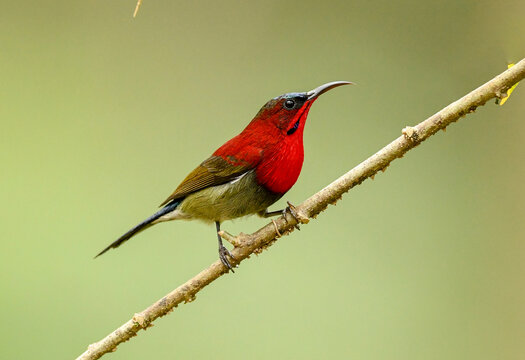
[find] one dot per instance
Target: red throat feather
(282, 161)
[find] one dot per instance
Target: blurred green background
(103, 115)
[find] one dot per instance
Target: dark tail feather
(142, 226)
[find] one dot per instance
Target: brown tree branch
(245, 245)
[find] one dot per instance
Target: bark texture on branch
(245, 245)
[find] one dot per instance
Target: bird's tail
(142, 226)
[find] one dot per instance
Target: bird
(247, 174)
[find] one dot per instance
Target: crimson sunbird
(247, 174)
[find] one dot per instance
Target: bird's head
(273, 141)
(288, 112)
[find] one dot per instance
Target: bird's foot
(299, 218)
(224, 254)
(296, 214)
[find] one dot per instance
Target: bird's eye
(289, 104)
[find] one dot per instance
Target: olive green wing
(212, 172)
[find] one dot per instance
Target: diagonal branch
(245, 245)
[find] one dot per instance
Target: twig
(139, 2)
(310, 208)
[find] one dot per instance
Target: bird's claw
(223, 255)
(293, 211)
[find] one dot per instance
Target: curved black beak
(312, 94)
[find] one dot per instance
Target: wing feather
(212, 172)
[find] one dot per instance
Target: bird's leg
(290, 208)
(223, 252)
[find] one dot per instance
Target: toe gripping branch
(292, 210)
(223, 252)
(236, 241)
(299, 218)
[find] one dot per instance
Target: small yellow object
(509, 91)
(139, 2)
